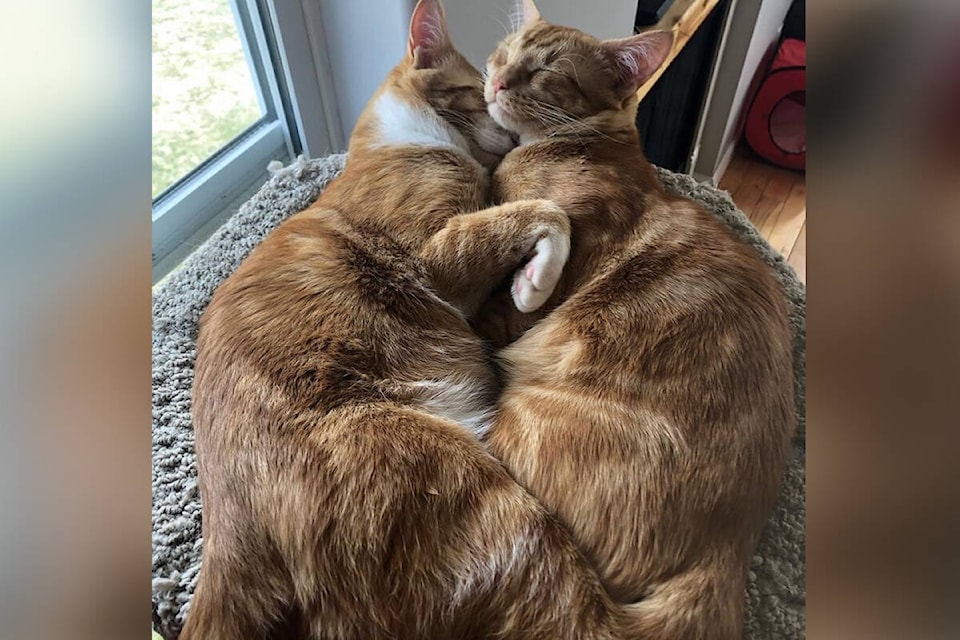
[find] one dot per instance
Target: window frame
(296, 95)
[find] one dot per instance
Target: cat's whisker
(572, 123)
(573, 68)
(547, 117)
(515, 15)
(560, 123)
(507, 28)
(558, 116)
(558, 109)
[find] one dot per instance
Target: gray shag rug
(776, 592)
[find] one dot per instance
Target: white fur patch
(461, 400)
(534, 282)
(401, 123)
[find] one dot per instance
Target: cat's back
(642, 258)
(671, 363)
(408, 192)
(680, 292)
(308, 273)
(686, 259)
(323, 312)
(349, 263)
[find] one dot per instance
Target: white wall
(477, 25)
(364, 39)
(754, 28)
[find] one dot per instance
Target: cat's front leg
(476, 252)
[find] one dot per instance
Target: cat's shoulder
(538, 158)
(544, 150)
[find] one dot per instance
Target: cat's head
(544, 76)
(435, 93)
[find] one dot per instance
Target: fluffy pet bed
(776, 592)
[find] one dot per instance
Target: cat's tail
(695, 605)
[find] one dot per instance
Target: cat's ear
(637, 58)
(526, 14)
(429, 38)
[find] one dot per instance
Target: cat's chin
(498, 141)
(486, 159)
(501, 118)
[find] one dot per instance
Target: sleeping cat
(652, 409)
(339, 392)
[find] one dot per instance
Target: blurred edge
(75, 319)
(884, 307)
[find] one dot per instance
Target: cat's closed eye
(455, 89)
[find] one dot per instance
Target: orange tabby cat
(339, 392)
(652, 409)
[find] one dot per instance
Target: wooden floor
(775, 200)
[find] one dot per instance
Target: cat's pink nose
(498, 86)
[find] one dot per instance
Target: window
(230, 81)
(204, 91)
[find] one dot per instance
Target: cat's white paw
(534, 283)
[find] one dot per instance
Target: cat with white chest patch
(339, 391)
